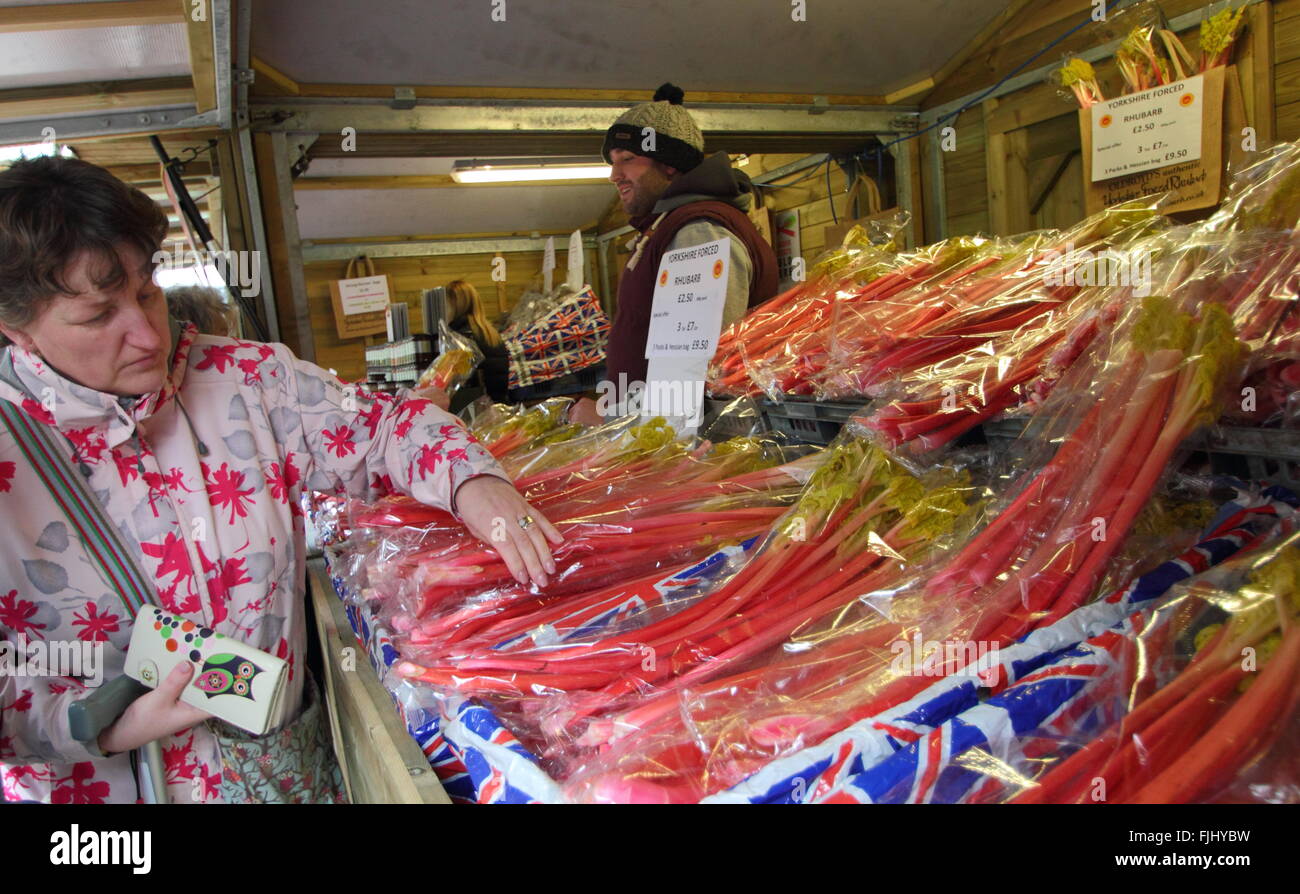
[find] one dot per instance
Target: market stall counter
(381, 763)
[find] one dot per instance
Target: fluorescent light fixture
(524, 170)
(9, 154)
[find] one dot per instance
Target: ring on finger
(526, 522)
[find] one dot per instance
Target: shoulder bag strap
(104, 543)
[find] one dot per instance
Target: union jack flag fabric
(569, 339)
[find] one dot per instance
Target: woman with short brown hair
(197, 449)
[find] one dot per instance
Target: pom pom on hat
(670, 93)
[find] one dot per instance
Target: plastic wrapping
(856, 328)
(562, 675)
(453, 367)
(783, 324)
(981, 738)
(971, 366)
(503, 428)
(1200, 700)
(644, 505)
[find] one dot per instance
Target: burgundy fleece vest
(626, 349)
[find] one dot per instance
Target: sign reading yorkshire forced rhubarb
(1170, 141)
(1148, 130)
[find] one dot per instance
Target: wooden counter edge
(381, 763)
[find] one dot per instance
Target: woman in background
(468, 318)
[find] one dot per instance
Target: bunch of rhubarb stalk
(505, 429)
(861, 520)
(948, 301)
(645, 505)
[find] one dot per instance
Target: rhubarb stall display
(732, 622)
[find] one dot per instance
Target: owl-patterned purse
(232, 680)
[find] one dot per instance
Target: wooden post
(283, 244)
(913, 150)
(1007, 164)
(1255, 68)
(202, 62)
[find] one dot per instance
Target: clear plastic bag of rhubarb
(503, 428)
(884, 231)
(991, 306)
(1008, 351)
(646, 506)
(865, 307)
(749, 349)
(1199, 701)
(571, 679)
(773, 629)
(452, 368)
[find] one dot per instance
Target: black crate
(809, 421)
(719, 424)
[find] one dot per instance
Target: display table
(381, 763)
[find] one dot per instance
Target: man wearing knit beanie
(676, 197)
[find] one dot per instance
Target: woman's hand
(492, 510)
(154, 715)
(440, 398)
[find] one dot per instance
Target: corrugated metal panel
(46, 58)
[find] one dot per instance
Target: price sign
(1148, 130)
(690, 290)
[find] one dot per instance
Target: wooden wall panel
(1033, 31)
(965, 177)
(1286, 68)
(1271, 87)
(409, 278)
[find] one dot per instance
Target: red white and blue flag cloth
(569, 339)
